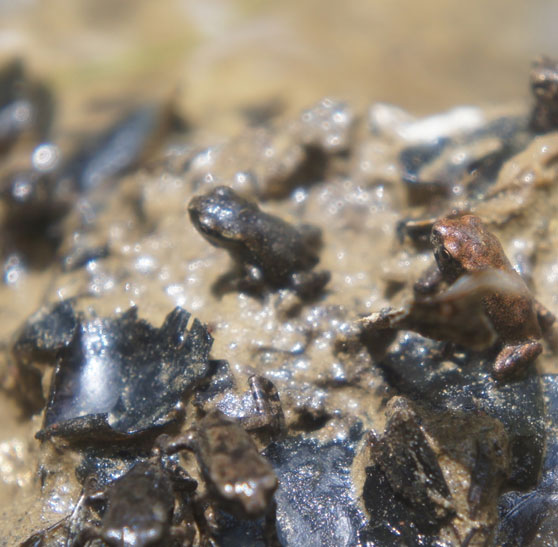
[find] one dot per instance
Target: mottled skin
(267, 412)
(239, 479)
(139, 509)
(462, 245)
(267, 250)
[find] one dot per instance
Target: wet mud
(284, 405)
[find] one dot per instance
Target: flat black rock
(418, 368)
(40, 339)
(121, 376)
(531, 518)
(316, 506)
(45, 333)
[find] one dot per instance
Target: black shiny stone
(420, 369)
(45, 333)
(40, 339)
(316, 504)
(121, 376)
(531, 518)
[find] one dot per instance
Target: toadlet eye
(445, 254)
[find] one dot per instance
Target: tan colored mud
(424, 57)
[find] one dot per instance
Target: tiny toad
(266, 249)
(240, 480)
(463, 245)
(139, 507)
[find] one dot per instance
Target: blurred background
(217, 62)
(217, 57)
